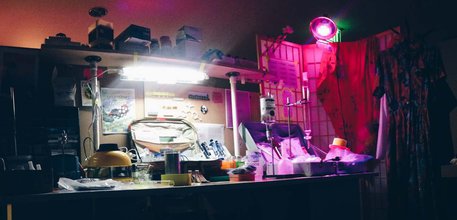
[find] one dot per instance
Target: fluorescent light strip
(163, 74)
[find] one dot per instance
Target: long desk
(324, 197)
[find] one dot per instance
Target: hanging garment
(407, 73)
(345, 91)
(383, 131)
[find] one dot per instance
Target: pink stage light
(323, 28)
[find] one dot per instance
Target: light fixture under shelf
(164, 74)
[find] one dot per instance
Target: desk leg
(9, 212)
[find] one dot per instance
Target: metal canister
(267, 109)
(172, 162)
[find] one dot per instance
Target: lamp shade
(323, 28)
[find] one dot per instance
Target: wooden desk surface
(207, 187)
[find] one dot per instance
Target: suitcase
(151, 137)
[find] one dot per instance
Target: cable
(95, 110)
(84, 146)
(320, 150)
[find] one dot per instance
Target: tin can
(267, 109)
(172, 162)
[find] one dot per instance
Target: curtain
(345, 87)
(407, 72)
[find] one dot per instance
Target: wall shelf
(111, 58)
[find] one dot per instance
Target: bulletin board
(185, 101)
(172, 101)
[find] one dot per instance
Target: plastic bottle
(267, 109)
(254, 158)
(135, 173)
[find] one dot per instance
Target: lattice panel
(285, 72)
(282, 63)
(321, 126)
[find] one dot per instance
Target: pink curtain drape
(345, 89)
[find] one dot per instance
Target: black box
(315, 168)
(135, 39)
(26, 182)
(132, 48)
(353, 167)
(141, 34)
(101, 35)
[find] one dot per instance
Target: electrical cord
(183, 157)
(84, 146)
(95, 109)
(320, 150)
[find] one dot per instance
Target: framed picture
(86, 97)
(118, 109)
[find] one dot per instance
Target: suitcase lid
(156, 134)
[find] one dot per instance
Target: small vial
(191, 174)
(197, 176)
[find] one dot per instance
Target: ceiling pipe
(236, 146)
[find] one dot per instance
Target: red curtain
(345, 89)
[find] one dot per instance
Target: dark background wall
(448, 51)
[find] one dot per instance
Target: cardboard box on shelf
(189, 49)
(189, 33)
(132, 47)
(135, 31)
(134, 38)
(101, 34)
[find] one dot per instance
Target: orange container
(242, 177)
(226, 165)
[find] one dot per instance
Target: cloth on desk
(279, 131)
(293, 147)
(345, 155)
(86, 184)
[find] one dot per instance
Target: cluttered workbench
(320, 197)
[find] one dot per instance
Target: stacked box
(189, 49)
(188, 43)
(101, 34)
(132, 48)
(61, 40)
(189, 33)
(134, 39)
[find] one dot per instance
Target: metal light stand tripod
(288, 126)
(307, 119)
(270, 139)
(304, 101)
